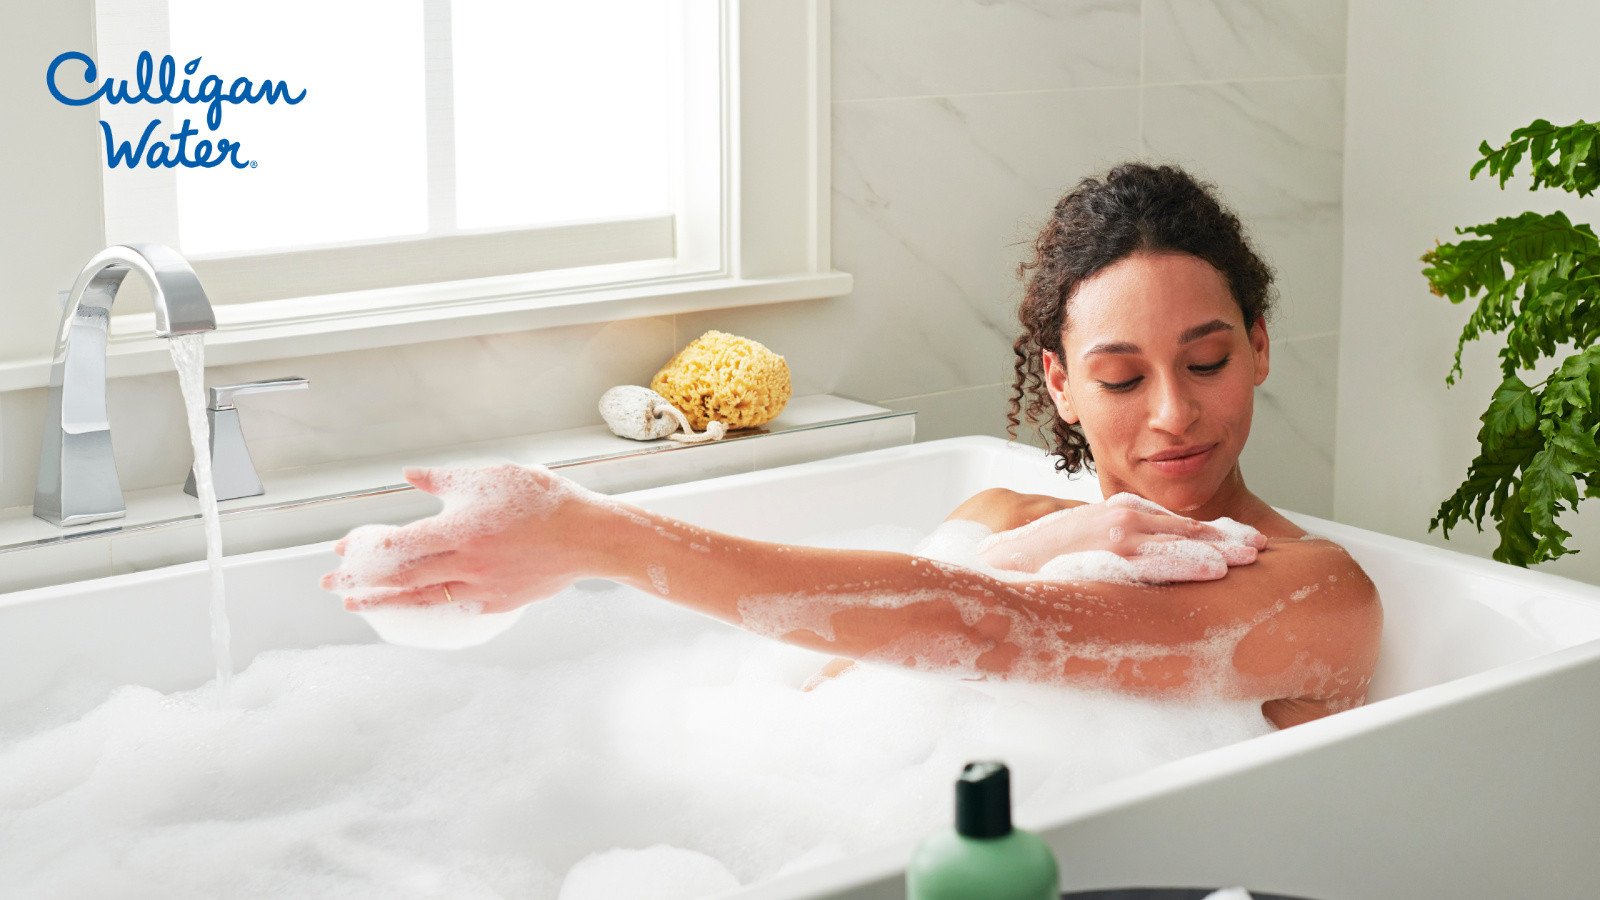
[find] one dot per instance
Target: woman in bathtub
(1143, 340)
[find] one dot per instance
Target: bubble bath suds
(611, 745)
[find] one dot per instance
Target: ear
(1055, 381)
(1262, 349)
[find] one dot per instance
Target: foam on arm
(929, 614)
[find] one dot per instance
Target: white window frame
(772, 245)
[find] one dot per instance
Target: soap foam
(672, 873)
(611, 745)
(439, 626)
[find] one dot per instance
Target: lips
(1180, 452)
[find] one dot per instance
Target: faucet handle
(233, 472)
(222, 396)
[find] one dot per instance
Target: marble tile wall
(956, 125)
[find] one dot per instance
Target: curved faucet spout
(77, 470)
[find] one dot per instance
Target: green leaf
(1573, 450)
(1513, 411)
(1545, 484)
(1559, 156)
(1490, 477)
(1517, 543)
(1571, 387)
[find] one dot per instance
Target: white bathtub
(1470, 773)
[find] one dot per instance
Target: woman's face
(1156, 360)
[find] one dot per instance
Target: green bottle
(983, 857)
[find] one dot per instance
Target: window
(417, 141)
(383, 255)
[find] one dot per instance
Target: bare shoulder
(1002, 509)
(1318, 555)
(1320, 623)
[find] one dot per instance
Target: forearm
(902, 609)
(848, 602)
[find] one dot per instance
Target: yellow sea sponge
(725, 378)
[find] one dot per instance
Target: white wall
(956, 125)
(1426, 83)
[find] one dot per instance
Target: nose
(1173, 406)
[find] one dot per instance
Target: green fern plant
(1536, 278)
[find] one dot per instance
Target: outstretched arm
(1282, 628)
(1298, 624)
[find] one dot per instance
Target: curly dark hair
(1136, 207)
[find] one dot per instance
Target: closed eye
(1128, 385)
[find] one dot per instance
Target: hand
(508, 535)
(1125, 524)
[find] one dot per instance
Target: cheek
(1105, 417)
(1232, 400)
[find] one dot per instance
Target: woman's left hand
(508, 535)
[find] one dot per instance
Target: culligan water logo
(159, 83)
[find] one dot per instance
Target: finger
(436, 568)
(1167, 523)
(384, 548)
(1204, 531)
(1240, 533)
(434, 479)
(1237, 554)
(1130, 549)
(1253, 538)
(421, 479)
(1161, 539)
(427, 595)
(1180, 560)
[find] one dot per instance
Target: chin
(1182, 500)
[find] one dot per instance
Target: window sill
(282, 329)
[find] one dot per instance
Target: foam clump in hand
(725, 378)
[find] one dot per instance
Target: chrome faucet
(77, 470)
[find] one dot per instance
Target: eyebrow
(1193, 334)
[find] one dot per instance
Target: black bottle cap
(983, 800)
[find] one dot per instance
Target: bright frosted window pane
(562, 110)
(348, 163)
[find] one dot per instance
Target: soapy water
(611, 745)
